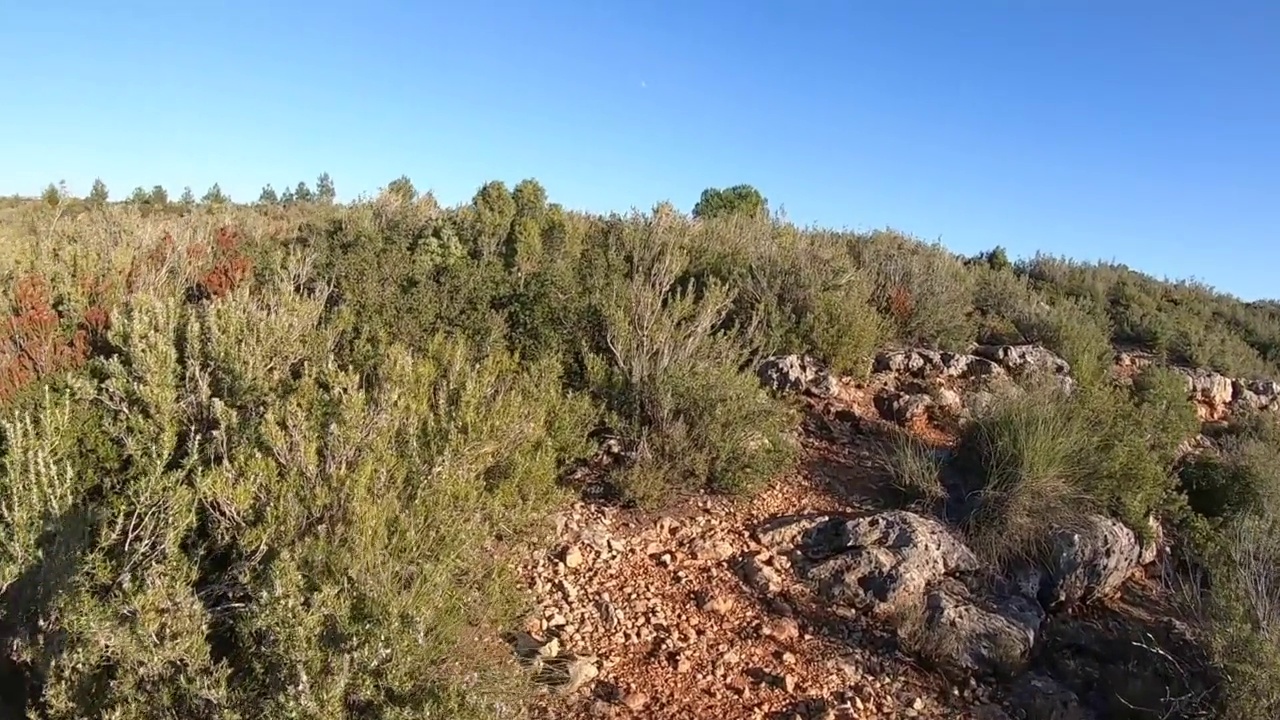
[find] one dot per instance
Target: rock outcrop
(1215, 395)
(1024, 360)
(796, 373)
(880, 563)
(929, 364)
(914, 574)
(1089, 561)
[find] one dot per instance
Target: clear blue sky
(1141, 131)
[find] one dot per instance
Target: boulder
(1043, 698)
(1089, 561)
(973, 631)
(1210, 391)
(1024, 360)
(928, 364)
(1255, 394)
(796, 373)
(790, 532)
(902, 407)
(882, 563)
(949, 401)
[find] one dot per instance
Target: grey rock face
(796, 373)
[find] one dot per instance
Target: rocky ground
(740, 609)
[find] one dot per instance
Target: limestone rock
(1042, 698)
(902, 407)
(929, 364)
(974, 631)
(878, 563)
(1024, 360)
(796, 373)
(1089, 561)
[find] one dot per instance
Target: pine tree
(737, 200)
(158, 196)
(268, 196)
(302, 193)
(402, 189)
(98, 194)
(215, 196)
(524, 239)
(52, 195)
(187, 198)
(325, 192)
(493, 209)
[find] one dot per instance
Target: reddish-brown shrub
(901, 304)
(230, 266)
(33, 343)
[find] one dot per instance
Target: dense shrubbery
(1231, 539)
(1036, 461)
(261, 461)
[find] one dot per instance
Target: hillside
(298, 459)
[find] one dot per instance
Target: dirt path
(665, 626)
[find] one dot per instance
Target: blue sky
(1140, 131)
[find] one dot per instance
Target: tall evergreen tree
(215, 196)
(325, 192)
(268, 196)
(98, 193)
(302, 193)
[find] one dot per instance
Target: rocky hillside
(295, 460)
(827, 596)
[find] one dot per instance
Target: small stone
(917, 704)
(568, 590)
(789, 682)
(581, 671)
(635, 701)
(550, 649)
(572, 557)
(781, 628)
(718, 604)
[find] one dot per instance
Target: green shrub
(999, 296)
(796, 292)
(915, 470)
(675, 380)
(1067, 328)
(925, 292)
(1134, 436)
(1039, 459)
(1244, 614)
(1232, 532)
(1024, 456)
(270, 539)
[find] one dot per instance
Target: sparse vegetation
(294, 440)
